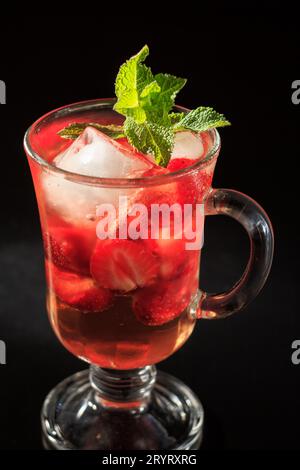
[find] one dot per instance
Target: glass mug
(123, 322)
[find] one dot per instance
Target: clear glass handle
(258, 226)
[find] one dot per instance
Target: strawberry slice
(171, 253)
(161, 303)
(123, 265)
(79, 292)
(70, 248)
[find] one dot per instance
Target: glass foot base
(74, 418)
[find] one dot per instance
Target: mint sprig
(150, 138)
(158, 109)
(73, 130)
(135, 85)
(201, 119)
(142, 95)
(176, 117)
(147, 101)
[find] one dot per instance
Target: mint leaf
(76, 128)
(149, 137)
(146, 101)
(134, 86)
(149, 89)
(201, 119)
(161, 103)
(128, 75)
(176, 117)
(169, 87)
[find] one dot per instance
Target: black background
(242, 62)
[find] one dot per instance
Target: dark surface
(243, 65)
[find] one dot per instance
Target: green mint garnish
(149, 137)
(72, 131)
(176, 117)
(201, 119)
(135, 85)
(147, 101)
(161, 104)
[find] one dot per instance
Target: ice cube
(95, 154)
(92, 154)
(187, 145)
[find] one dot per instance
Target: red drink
(122, 227)
(118, 303)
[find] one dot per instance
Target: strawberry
(171, 253)
(70, 248)
(123, 265)
(163, 302)
(79, 292)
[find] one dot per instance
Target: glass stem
(123, 389)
